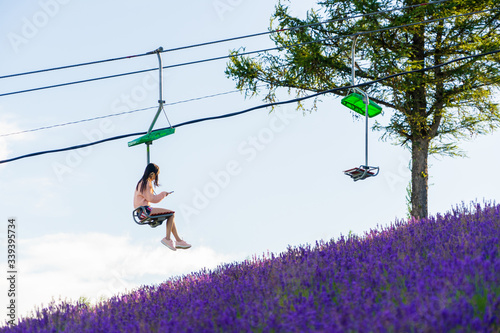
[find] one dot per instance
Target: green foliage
(408, 200)
(84, 301)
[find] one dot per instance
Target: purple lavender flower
(438, 274)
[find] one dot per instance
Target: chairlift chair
(153, 220)
(360, 102)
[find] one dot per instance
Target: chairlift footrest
(362, 172)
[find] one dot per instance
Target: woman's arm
(151, 197)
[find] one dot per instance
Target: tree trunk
(419, 178)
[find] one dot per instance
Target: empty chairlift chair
(360, 102)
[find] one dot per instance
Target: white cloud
(44, 191)
(8, 126)
(96, 265)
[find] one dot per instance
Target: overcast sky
(243, 186)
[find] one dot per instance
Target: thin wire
(165, 113)
(76, 122)
(253, 108)
(248, 53)
(122, 113)
(221, 40)
(207, 96)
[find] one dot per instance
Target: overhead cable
(305, 25)
(328, 39)
(77, 82)
(295, 100)
(250, 52)
(73, 66)
(223, 40)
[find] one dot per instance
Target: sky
(244, 186)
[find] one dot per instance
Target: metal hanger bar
(353, 52)
(160, 101)
(367, 99)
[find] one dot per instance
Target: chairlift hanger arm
(160, 108)
(359, 101)
(160, 98)
(155, 135)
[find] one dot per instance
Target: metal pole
(367, 102)
(160, 49)
(353, 52)
(160, 101)
(366, 98)
(147, 145)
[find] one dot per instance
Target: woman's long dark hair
(151, 172)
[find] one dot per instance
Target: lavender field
(440, 274)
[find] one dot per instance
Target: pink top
(147, 197)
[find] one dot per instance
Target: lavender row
(439, 274)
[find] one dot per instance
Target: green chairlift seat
(356, 103)
(155, 135)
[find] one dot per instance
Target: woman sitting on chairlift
(144, 195)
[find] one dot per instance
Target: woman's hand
(165, 194)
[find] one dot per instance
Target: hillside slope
(440, 274)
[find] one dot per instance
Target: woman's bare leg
(155, 210)
(174, 230)
(170, 223)
(171, 229)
